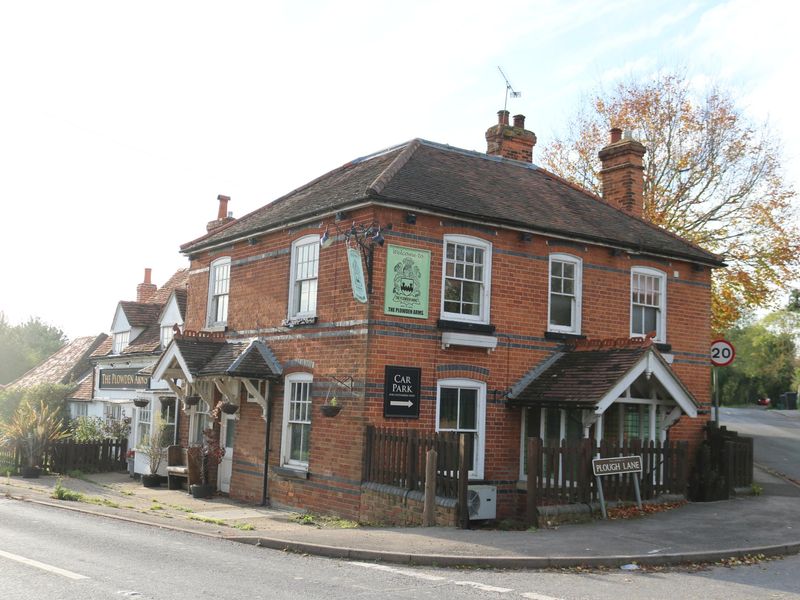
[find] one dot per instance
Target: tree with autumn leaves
(710, 175)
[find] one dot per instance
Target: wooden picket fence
(396, 457)
(562, 473)
(91, 457)
(67, 455)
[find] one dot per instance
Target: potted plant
(192, 400)
(331, 407)
(206, 454)
(32, 429)
(229, 408)
(141, 401)
(153, 447)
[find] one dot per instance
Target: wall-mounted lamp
(525, 236)
(367, 237)
(340, 216)
(411, 218)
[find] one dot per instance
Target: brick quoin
(357, 341)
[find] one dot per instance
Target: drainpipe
(265, 484)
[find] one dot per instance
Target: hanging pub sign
(357, 275)
(123, 379)
(407, 281)
(401, 392)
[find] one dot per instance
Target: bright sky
(120, 123)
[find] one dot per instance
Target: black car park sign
(401, 392)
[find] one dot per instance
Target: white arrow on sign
(406, 403)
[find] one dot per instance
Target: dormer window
(120, 341)
(167, 333)
(219, 278)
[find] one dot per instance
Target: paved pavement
(696, 532)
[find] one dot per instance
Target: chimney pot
(519, 121)
(146, 289)
(223, 206)
(622, 173)
(502, 117)
(147, 273)
(616, 134)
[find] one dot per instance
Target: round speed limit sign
(722, 353)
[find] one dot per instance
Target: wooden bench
(179, 467)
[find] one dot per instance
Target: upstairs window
(304, 275)
(219, 279)
(648, 303)
(466, 279)
(565, 294)
(120, 341)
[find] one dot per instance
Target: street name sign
(617, 465)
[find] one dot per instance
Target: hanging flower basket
(330, 410)
(193, 400)
(229, 408)
(141, 402)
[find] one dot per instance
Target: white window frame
(661, 322)
(294, 281)
(167, 334)
(479, 449)
(121, 340)
(575, 326)
(543, 414)
(485, 309)
(79, 409)
(214, 295)
(196, 437)
(144, 417)
(289, 422)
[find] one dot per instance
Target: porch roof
(594, 377)
(200, 356)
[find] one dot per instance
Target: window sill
(297, 321)
(215, 328)
(563, 336)
(290, 473)
(465, 326)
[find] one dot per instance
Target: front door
(227, 435)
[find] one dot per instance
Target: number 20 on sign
(722, 353)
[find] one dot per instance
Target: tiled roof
(146, 342)
(178, 281)
(467, 184)
(104, 348)
(85, 388)
(579, 377)
(180, 298)
(140, 314)
(66, 365)
(205, 357)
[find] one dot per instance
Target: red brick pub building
(437, 289)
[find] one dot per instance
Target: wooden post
(464, 453)
(429, 508)
(412, 454)
(534, 464)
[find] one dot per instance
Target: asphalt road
(776, 437)
(49, 554)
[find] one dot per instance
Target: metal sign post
(722, 354)
(617, 466)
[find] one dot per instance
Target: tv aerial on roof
(509, 89)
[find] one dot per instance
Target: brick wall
(338, 344)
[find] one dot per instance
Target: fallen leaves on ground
(631, 512)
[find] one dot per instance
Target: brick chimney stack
(146, 289)
(622, 175)
(223, 216)
(514, 142)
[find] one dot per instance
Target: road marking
(42, 566)
(535, 596)
(483, 587)
(405, 572)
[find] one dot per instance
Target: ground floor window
(623, 422)
(79, 409)
(198, 422)
(168, 419)
(461, 407)
(143, 416)
(297, 420)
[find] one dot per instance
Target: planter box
(201, 490)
